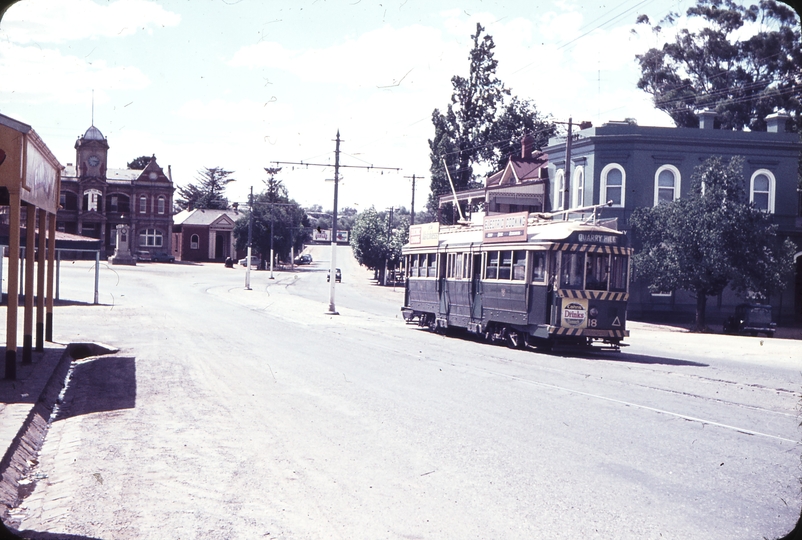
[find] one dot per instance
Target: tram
(521, 279)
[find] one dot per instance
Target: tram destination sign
(505, 228)
(598, 238)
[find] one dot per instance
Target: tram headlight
(593, 312)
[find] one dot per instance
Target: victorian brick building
(96, 198)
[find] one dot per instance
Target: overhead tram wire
(337, 167)
(564, 45)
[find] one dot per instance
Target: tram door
(442, 284)
(476, 287)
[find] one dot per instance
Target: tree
(140, 163)
(743, 78)
(374, 244)
(277, 219)
(518, 118)
(462, 131)
(207, 192)
(480, 126)
(711, 239)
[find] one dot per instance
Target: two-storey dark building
(638, 166)
(96, 198)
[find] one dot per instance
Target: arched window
(666, 184)
(143, 204)
(613, 184)
(161, 205)
(559, 189)
(578, 188)
(150, 238)
(761, 190)
(194, 241)
(92, 200)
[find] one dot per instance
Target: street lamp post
(250, 238)
(272, 256)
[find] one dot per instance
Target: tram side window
(491, 269)
(519, 265)
(505, 266)
(597, 266)
(573, 270)
(432, 265)
(618, 273)
(422, 265)
(539, 266)
(458, 258)
(466, 266)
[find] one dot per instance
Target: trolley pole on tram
(337, 166)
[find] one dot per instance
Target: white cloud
(248, 111)
(34, 74)
(381, 57)
(56, 21)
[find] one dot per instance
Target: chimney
(775, 122)
(706, 119)
(527, 145)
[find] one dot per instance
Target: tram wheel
(431, 323)
(514, 340)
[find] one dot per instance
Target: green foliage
(710, 239)
(465, 127)
(274, 212)
(140, 163)
(744, 78)
(480, 126)
(373, 243)
(208, 190)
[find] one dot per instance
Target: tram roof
(538, 231)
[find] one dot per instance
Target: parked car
(338, 276)
(303, 259)
(162, 256)
(255, 261)
(144, 256)
(752, 319)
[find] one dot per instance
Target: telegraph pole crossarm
(337, 166)
(412, 210)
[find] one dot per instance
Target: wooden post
(13, 284)
(40, 282)
(51, 260)
(30, 249)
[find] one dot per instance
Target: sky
(241, 84)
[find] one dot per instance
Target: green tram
(520, 279)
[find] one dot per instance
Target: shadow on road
(100, 384)
(33, 535)
(643, 359)
(584, 352)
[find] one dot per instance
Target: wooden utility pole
(337, 166)
(412, 210)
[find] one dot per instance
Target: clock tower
(91, 152)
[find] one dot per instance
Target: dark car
(143, 255)
(303, 259)
(161, 256)
(338, 276)
(752, 319)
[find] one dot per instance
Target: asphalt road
(233, 414)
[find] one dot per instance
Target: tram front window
(618, 273)
(572, 270)
(596, 278)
